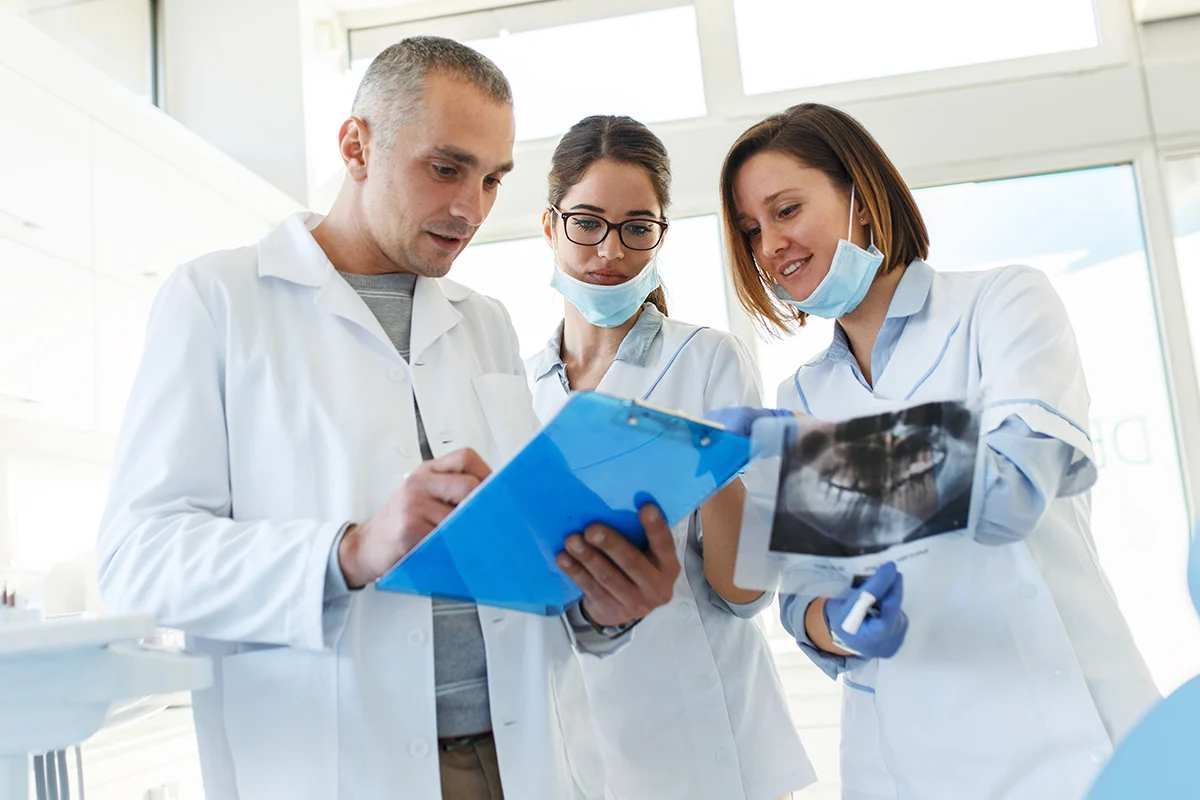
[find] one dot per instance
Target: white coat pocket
(508, 408)
(279, 702)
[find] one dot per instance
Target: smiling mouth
(795, 266)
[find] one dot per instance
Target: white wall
(101, 196)
(258, 80)
(231, 73)
(111, 35)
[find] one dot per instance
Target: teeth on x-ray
(861, 486)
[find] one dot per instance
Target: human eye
(585, 223)
(444, 171)
(491, 182)
(788, 210)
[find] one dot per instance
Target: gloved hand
(855, 625)
(739, 419)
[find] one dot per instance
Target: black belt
(450, 744)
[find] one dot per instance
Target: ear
(354, 143)
(862, 215)
(548, 227)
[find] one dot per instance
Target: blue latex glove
(881, 630)
(739, 419)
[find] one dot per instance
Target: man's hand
(426, 497)
(621, 583)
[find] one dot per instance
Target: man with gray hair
(307, 410)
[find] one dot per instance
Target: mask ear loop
(850, 224)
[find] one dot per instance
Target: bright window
(517, 273)
(654, 74)
(1183, 185)
(693, 272)
(790, 44)
(1084, 230)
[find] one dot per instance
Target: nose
(611, 249)
(469, 205)
(772, 242)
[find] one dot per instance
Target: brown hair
(830, 140)
(620, 139)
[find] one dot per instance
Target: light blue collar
(634, 349)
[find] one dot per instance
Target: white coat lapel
(433, 313)
(933, 323)
(292, 254)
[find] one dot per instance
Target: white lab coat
(1018, 670)
(693, 707)
(270, 408)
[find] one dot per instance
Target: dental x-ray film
(837, 499)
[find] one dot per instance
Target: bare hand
(426, 497)
(621, 583)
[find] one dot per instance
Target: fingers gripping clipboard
(598, 460)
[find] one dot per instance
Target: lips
(448, 243)
(792, 267)
(606, 278)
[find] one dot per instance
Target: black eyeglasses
(589, 230)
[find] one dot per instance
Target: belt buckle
(450, 745)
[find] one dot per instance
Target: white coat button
(1028, 590)
(417, 637)
(723, 755)
(1097, 758)
(1060, 673)
(418, 748)
(397, 374)
(684, 609)
(705, 682)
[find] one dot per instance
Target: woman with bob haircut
(999, 665)
(691, 708)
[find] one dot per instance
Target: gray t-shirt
(459, 658)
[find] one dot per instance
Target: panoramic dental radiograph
(861, 486)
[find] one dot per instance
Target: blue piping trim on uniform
(1042, 404)
(941, 355)
(800, 392)
(663, 374)
(858, 686)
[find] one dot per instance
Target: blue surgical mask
(607, 306)
(845, 285)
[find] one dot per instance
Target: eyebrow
(465, 159)
(771, 198)
(641, 212)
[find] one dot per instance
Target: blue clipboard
(598, 460)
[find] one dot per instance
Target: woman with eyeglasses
(692, 706)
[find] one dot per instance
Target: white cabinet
(45, 184)
(47, 344)
(151, 217)
(121, 314)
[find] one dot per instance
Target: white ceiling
(1152, 10)
(359, 5)
(425, 7)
